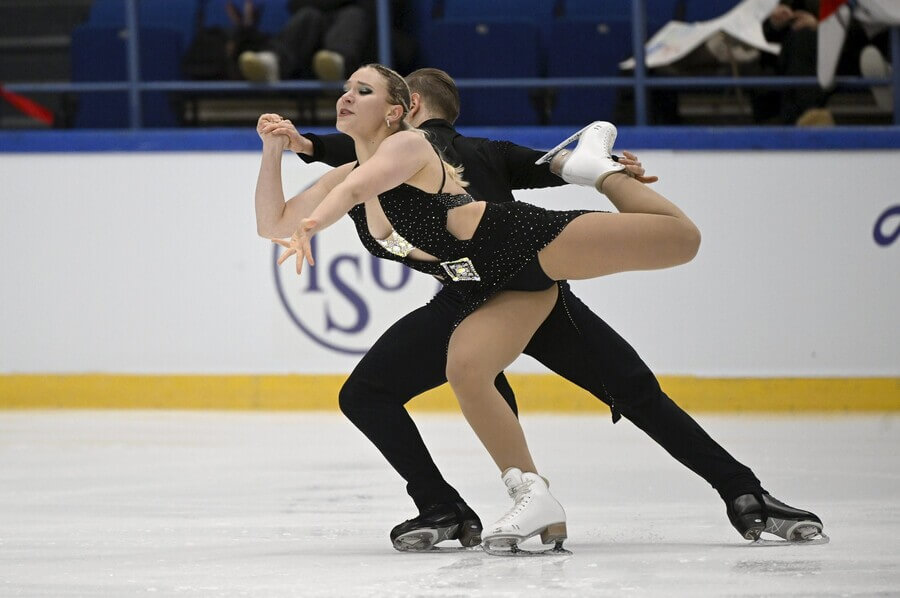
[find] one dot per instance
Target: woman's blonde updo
(398, 94)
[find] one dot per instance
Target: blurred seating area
(85, 41)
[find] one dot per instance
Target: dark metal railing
(641, 82)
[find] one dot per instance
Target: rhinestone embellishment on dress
(461, 270)
(396, 244)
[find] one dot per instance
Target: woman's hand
(297, 143)
(299, 244)
(635, 170)
(266, 128)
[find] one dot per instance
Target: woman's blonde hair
(398, 94)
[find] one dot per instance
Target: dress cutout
(507, 238)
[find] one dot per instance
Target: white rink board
(150, 263)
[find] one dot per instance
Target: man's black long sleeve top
(492, 168)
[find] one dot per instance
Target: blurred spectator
(214, 50)
(794, 25)
(323, 38)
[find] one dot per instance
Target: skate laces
(521, 495)
(518, 489)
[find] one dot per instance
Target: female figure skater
(410, 206)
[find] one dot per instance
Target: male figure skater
(573, 342)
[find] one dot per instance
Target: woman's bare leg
(649, 232)
(483, 345)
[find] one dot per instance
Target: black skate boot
(446, 521)
(753, 514)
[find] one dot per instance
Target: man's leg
(408, 359)
(577, 344)
(581, 347)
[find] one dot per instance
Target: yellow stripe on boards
(535, 392)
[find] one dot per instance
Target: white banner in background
(677, 39)
(150, 263)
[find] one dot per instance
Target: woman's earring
(387, 121)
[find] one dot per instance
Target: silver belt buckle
(461, 270)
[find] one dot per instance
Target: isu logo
(884, 234)
(350, 297)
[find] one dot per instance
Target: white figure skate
(535, 512)
(591, 161)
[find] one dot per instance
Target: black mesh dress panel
(506, 240)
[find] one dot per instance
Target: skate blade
(515, 551)
(424, 540)
(510, 547)
(437, 549)
(815, 538)
(449, 549)
(549, 155)
(416, 542)
(792, 532)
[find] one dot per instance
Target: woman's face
(364, 105)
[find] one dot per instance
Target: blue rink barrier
(676, 138)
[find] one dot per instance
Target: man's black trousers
(410, 358)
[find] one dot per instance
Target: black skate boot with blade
(753, 514)
(445, 521)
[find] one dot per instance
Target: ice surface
(125, 503)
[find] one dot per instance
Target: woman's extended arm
(274, 216)
(397, 160)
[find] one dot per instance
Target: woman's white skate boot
(535, 512)
(591, 161)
